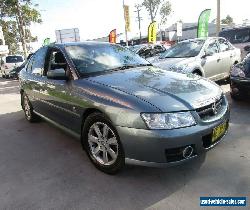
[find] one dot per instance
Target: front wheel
(102, 144)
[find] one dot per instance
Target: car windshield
(136, 48)
(98, 58)
(236, 35)
(184, 49)
(14, 59)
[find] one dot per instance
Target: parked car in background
(9, 63)
(240, 79)
(148, 50)
(121, 107)
(239, 37)
(14, 74)
(211, 58)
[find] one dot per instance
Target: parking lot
(41, 167)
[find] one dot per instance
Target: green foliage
(158, 7)
(228, 20)
(11, 35)
(16, 16)
(165, 11)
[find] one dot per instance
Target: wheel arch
(88, 112)
(198, 71)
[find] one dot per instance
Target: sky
(96, 18)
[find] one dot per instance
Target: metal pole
(126, 33)
(218, 18)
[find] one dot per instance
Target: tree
(20, 13)
(228, 20)
(157, 7)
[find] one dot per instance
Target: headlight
(168, 120)
(237, 72)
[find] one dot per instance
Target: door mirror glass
(57, 74)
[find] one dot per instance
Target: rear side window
(29, 65)
(38, 61)
(14, 59)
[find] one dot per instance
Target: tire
(3, 75)
(28, 110)
(104, 149)
(236, 97)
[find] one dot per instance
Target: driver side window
(213, 48)
(224, 46)
(55, 60)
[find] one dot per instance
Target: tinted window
(38, 61)
(184, 49)
(224, 46)
(14, 59)
(247, 65)
(237, 35)
(93, 58)
(29, 65)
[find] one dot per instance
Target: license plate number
(219, 131)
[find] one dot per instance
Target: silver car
(211, 57)
(9, 63)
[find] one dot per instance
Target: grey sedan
(211, 58)
(122, 108)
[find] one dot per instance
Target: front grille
(211, 110)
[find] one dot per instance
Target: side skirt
(72, 133)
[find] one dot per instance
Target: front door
(57, 94)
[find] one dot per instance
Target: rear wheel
(102, 144)
(28, 110)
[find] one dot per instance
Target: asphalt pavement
(41, 167)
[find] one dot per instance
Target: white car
(10, 62)
(212, 57)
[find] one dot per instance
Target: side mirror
(57, 74)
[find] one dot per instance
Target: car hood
(168, 63)
(167, 90)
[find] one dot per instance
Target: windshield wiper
(129, 66)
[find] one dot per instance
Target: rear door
(34, 86)
(226, 55)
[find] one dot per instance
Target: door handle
(218, 60)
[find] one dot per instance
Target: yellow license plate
(219, 131)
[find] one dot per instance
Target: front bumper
(151, 147)
(240, 86)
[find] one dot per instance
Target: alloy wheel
(103, 143)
